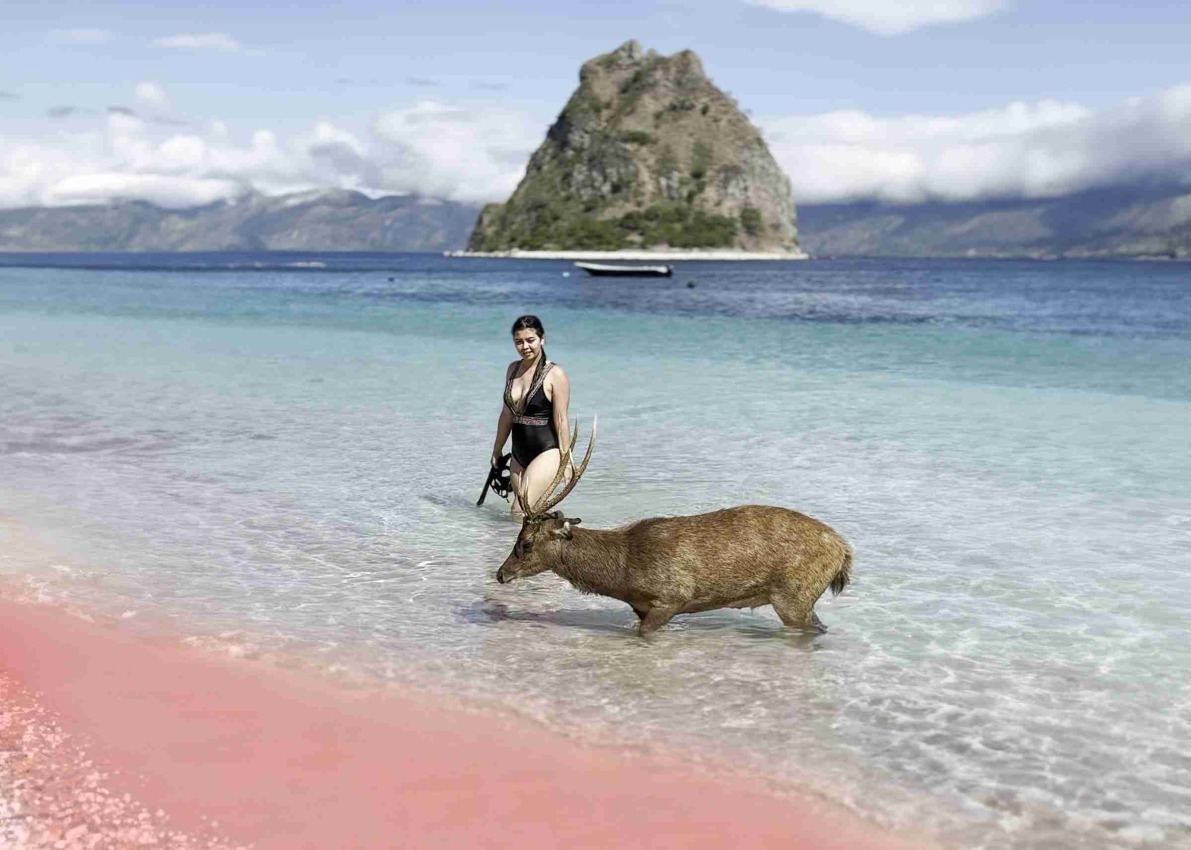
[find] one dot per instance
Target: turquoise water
(287, 458)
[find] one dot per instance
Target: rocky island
(647, 159)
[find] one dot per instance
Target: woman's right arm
(503, 425)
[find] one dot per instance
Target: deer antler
(541, 509)
(521, 494)
(564, 458)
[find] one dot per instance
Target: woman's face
(527, 343)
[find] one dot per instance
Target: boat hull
(600, 270)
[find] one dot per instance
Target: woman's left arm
(561, 399)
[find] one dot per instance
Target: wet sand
(109, 739)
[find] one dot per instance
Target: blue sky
(168, 101)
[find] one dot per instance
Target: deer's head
(538, 546)
(544, 532)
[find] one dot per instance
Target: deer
(739, 557)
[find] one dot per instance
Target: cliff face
(647, 153)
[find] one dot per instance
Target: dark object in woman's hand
(499, 477)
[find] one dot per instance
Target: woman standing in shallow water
(534, 412)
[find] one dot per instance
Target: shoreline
(270, 757)
(635, 256)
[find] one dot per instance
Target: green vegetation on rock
(750, 220)
(637, 137)
(680, 226)
(547, 226)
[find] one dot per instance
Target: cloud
(62, 111)
(80, 36)
(7, 95)
(889, 17)
(200, 41)
(156, 104)
(1021, 150)
(468, 155)
(428, 149)
(152, 94)
(171, 192)
(436, 150)
(421, 81)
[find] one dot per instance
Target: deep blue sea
(281, 454)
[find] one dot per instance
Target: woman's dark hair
(529, 323)
(533, 323)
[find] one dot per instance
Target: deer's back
(737, 548)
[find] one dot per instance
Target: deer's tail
(843, 576)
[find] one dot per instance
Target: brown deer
(742, 557)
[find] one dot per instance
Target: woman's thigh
(538, 475)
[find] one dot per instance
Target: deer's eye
(523, 548)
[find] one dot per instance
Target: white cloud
(1021, 150)
(889, 17)
(152, 94)
(80, 36)
(436, 150)
(454, 153)
(171, 192)
(427, 149)
(199, 41)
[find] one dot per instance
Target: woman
(534, 412)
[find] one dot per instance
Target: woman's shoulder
(555, 372)
(511, 368)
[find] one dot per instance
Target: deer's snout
(505, 574)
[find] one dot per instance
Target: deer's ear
(576, 521)
(563, 533)
(557, 514)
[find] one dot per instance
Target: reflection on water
(290, 461)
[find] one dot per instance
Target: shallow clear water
(288, 457)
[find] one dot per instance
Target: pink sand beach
(112, 740)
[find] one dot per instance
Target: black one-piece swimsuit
(533, 420)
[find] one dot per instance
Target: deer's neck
(595, 562)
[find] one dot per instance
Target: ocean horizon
(280, 454)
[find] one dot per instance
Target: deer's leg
(656, 617)
(797, 611)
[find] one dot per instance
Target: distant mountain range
(333, 220)
(1100, 223)
(1135, 222)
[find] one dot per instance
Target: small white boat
(601, 270)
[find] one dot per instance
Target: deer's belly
(712, 604)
